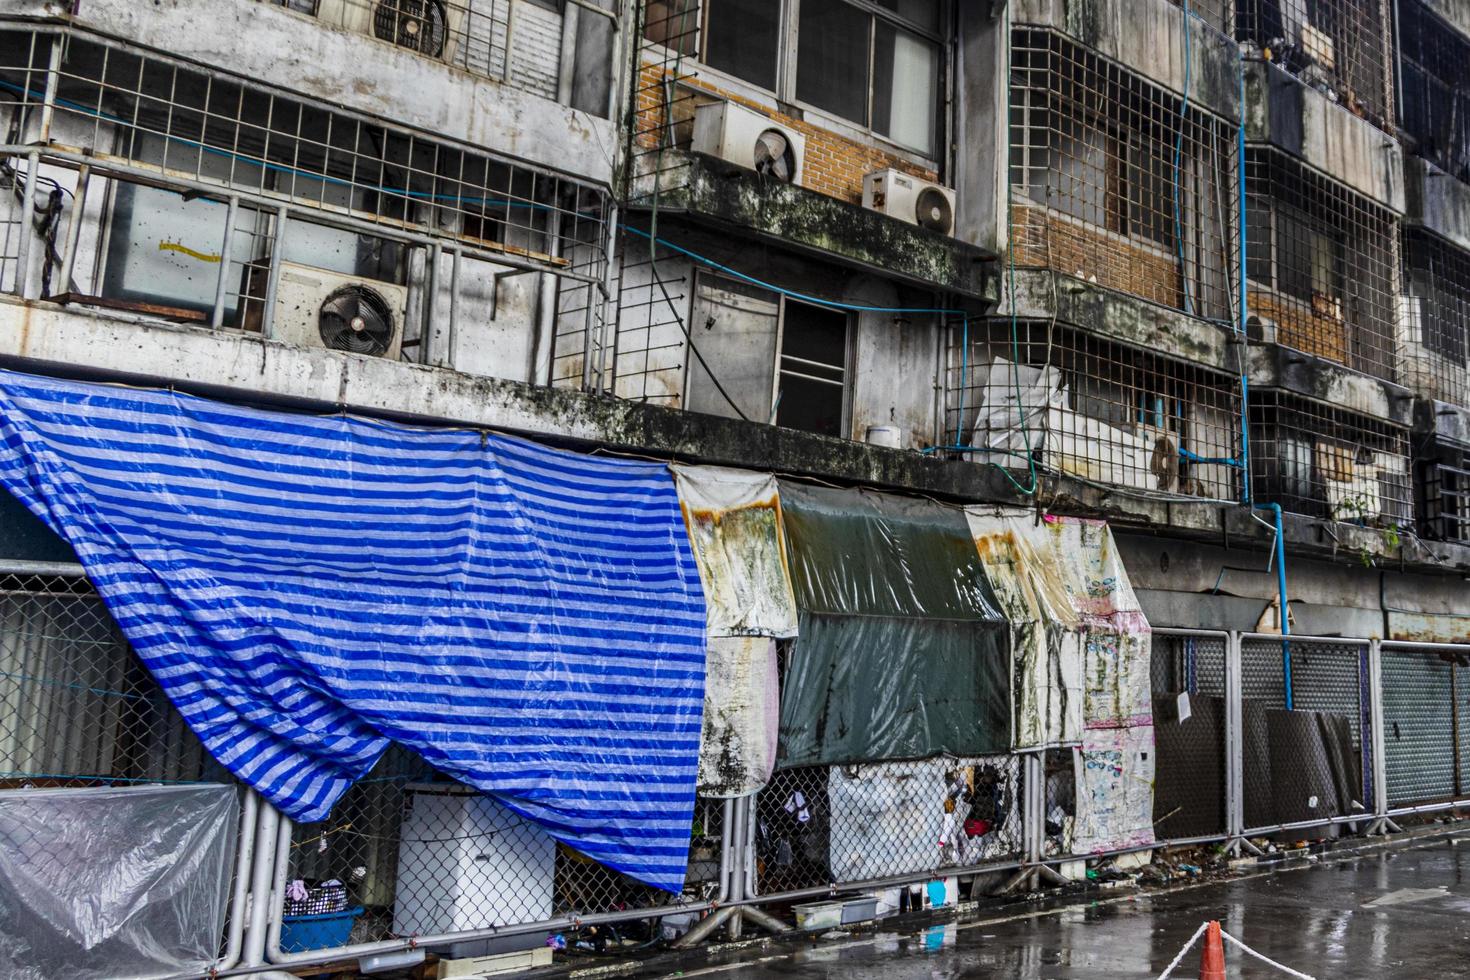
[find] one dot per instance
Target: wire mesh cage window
(1442, 488)
(1343, 48)
(1322, 263)
(1093, 408)
(1324, 461)
(144, 149)
(1434, 65)
(1434, 318)
(1109, 182)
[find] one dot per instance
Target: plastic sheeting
(1047, 636)
(903, 651)
(105, 883)
(741, 716)
(898, 818)
(529, 621)
(735, 526)
(1115, 761)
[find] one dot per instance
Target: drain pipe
(1275, 510)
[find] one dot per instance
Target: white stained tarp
(734, 521)
(741, 715)
(1013, 396)
(896, 818)
(1115, 762)
(1115, 789)
(1046, 633)
(108, 882)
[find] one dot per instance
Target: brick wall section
(834, 165)
(1301, 328)
(1044, 240)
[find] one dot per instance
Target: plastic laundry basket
(322, 931)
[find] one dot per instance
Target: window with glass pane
(834, 44)
(672, 23)
(905, 87)
(744, 38)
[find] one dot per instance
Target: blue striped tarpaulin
(307, 588)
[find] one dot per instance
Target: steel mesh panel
(1261, 678)
(1327, 678)
(1418, 731)
(1189, 767)
(833, 825)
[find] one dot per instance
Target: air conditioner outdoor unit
(316, 308)
(430, 27)
(748, 139)
(919, 202)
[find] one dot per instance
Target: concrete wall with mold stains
(268, 44)
(1436, 201)
(1283, 112)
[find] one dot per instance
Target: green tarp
(902, 652)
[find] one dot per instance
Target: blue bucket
(321, 931)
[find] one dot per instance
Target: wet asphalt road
(1399, 914)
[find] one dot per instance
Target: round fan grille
(933, 210)
(775, 157)
(356, 319)
(416, 24)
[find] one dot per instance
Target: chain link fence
(408, 852)
(79, 710)
(825, 827)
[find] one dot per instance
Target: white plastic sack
(1013, 396)
(107, 882)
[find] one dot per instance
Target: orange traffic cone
(1212, 961)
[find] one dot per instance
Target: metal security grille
(1434, 73)
(1434, 318)
(178, 192)
(1112, 183)
(1189, 664)
(1419, 731)
(421, 855)
(1094, 409)
(1322, 461)
(1322, 263)
(1443, 490)
(1340, 47)
(821, 825)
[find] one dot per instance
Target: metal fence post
(1234, 746)
(1381, 822)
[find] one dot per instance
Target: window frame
(787, 56)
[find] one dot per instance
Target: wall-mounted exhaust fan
(317, 308)
(415, 24)
(748, 139)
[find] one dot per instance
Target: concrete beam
(270, 45)
(1443, 421)
(1274, 366)
(1147, 38)
(1042, 294)
(1437, 202)
(1283, 112)
(44, 338)
(739, 200)
(1456, 13)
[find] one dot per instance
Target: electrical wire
(1178, 155)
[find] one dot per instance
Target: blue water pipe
(1275, 510)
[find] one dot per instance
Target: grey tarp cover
(902, 651)
(104, 883)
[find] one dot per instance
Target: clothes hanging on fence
(305, 589)
(903, 652)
